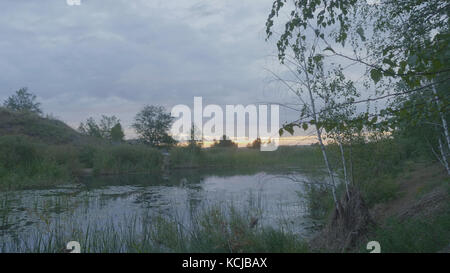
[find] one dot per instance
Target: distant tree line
(151, 124)
(108, 128)
(225, 143)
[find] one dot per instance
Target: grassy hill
(36, 151)
(47, 130)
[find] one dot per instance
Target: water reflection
(98, 201)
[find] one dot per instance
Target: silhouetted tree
(23, 100)
(226, 143)
(117, 133)
(152, 124)
(108, 128)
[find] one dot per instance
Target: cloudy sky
(114, 56)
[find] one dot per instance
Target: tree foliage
(409, 39)
(225, 143)
(404, 46)
(117, 134)
(108, 128)
(23, 100)
(152, 124)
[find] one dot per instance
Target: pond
(108, 202)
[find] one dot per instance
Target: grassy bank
(214, 229)
(28, 163)
(418, 218)
(304, 157)
(38, 151)
(407, 193)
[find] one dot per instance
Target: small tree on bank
(152, 124)
(117, 134)
(23, 100)
(108, 128)
(225, 143)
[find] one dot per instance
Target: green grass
(306, 157)
(26, 164)
(45, 129)
(125, 158)
(38, 151)
(214, 229)
(425, 235)
(376, 166)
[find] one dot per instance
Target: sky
(112, 57)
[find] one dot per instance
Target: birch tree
(314, 93)
(398, 42)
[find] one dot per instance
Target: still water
(271, 197)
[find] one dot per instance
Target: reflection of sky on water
(272, 199)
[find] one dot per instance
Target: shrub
(17, 152)
(25, 164)
(126, 158)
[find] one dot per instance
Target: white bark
(351, 164)
(319, 137)
(443, 120)
(443, 156)
(345, 168)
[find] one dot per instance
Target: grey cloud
(113, 57)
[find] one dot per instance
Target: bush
(25, 164)
(86, 155)
(126, 158)
(65, 155)
(379, 189)
(17, 152)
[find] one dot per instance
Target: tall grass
(125, 158)
(375, 166)
(426, 235)
(24, 164)
(27, 163)
(214, 229)
(306, 157)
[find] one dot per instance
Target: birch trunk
(319, 137)
(443, 120)
(351, 164)
(345, 168)
(444, 156)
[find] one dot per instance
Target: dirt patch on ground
(411, 201)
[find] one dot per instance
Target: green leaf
(305, 126)
(360, 31)
(329, 48)
(389, 62)
(289, 128)
(376, 75)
